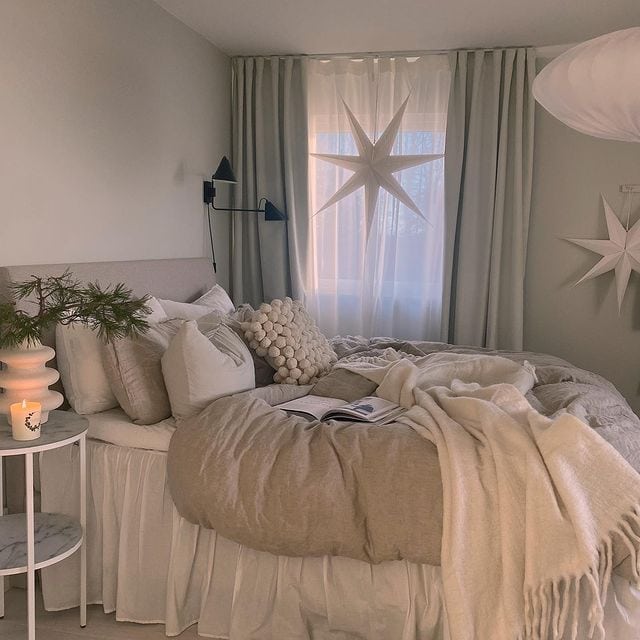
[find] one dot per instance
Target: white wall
(111, 114)
(580, 323)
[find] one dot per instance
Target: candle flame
(24, 404)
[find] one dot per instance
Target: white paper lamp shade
(595, 86)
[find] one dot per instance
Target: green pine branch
(113, 312)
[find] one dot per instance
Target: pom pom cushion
(285, 335)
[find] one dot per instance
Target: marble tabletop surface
(54, 534)
(60, 426)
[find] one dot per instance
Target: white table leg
(1, 514)
(31, 560)
(83, 524)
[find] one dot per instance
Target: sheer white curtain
(391, 282)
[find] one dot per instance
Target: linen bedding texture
(492, 474)
(79, 360)
(128, 372)
(204, 360)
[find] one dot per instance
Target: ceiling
(240, 27)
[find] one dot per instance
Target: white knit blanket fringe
(537, 511)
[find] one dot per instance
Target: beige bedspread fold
(291, 487)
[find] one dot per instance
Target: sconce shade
(271, 212)
(593, 87)
(224, 172)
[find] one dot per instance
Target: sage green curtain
(488, 171)
(269, 130)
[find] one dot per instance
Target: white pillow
(79, 356)
(216, 299)
(197, 369)
(157, 312)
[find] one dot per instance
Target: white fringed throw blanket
(535, 510)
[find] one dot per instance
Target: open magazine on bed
(369, 409)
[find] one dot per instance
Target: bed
(150, 565)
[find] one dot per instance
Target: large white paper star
(374, 165)
(620, 252)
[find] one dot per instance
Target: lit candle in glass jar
(25, 420)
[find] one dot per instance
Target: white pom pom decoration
(284, 333)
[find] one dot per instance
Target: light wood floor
(65, 625)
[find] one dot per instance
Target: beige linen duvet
(281, 484)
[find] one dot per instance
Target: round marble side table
(31, 541)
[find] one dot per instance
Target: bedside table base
(32, 562)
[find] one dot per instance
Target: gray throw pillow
(134, 370)
(344, 385)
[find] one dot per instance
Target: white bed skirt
(149, 565)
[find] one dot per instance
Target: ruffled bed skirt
(149, 565)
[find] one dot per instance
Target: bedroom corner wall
(111, 114)
(581, 323)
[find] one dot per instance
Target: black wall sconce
(224, 173)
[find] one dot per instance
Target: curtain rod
(545, 51)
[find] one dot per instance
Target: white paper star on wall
(620, 252)
(374, 165)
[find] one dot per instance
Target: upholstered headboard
(180, 279)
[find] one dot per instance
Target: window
(389, 281)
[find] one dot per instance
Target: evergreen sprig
(113, 312)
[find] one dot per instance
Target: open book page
(311, 406)
(368, 409)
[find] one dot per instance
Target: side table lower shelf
(56, 537)
(30, 541)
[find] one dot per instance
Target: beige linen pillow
(84, 379)
(134, 372)
(199, 368)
